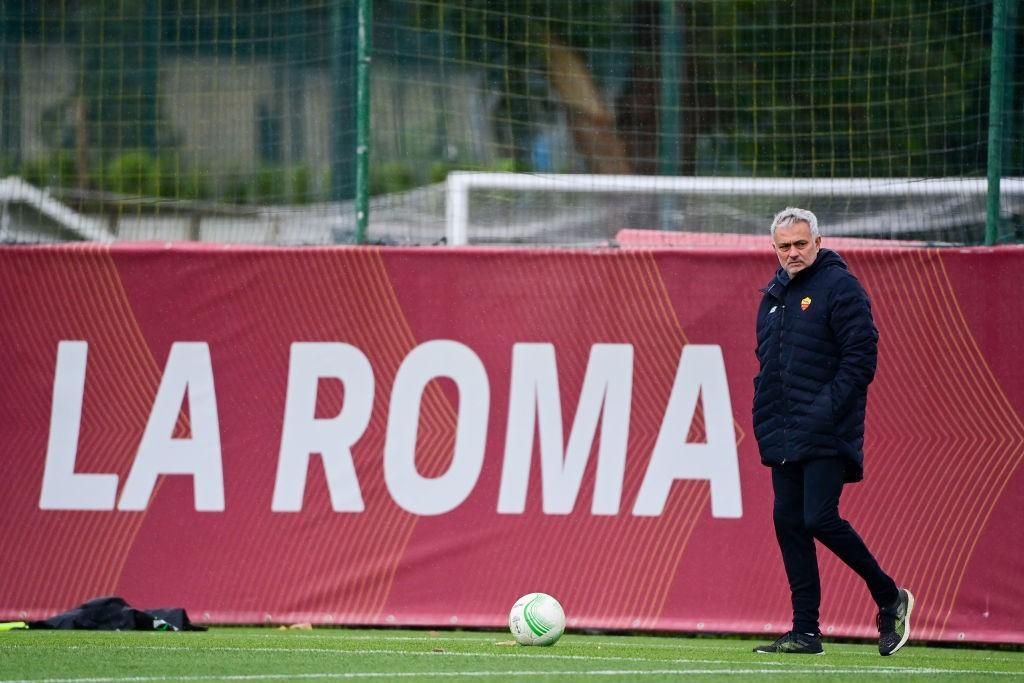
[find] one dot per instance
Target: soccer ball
(536, 619)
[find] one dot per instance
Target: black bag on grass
(114, 614)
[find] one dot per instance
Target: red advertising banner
(420, 436)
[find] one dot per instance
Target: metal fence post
(669, 114)
(342, 74)
(997, 69)
(364, 29)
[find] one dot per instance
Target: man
(817, 348)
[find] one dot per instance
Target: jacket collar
(826, 259)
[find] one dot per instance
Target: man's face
(795, 247)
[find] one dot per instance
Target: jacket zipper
(782, 383)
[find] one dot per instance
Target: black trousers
(807, 508)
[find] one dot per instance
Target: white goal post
(460, 183)
(49, 216)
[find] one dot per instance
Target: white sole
(906, 624)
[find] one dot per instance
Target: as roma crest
(805, 303)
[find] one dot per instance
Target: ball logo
(805, 303)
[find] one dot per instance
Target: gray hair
(791, 215)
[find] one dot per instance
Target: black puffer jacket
(817, 346)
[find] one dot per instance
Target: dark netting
(238, 122)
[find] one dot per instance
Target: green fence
(337, 121)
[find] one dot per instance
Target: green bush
(505, 165)
(439, 170)
(194, 184)
(391, 176)
(133, 173)
(57, 169)
(269, 185)
(237, 188)
(178, 182)
(7, 166)
(301, 191)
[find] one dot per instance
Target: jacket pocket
(821, 415)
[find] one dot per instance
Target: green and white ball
(536, 619)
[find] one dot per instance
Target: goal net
(487, 208)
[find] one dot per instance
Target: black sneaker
(894, 624)
(794, 643)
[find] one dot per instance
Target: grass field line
(869, 651)
(340, 651)
(632, 644)
(766, 667)
(752, 671)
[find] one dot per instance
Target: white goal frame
(14, 190)
(460, 183)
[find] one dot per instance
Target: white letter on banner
(701, 372)
(434, 496)
(189, 372)
(333, 437)
(63, 489)
(534, 393)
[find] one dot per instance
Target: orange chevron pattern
(48, 299)
(945, 438)
(952, 437)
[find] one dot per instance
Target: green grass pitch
(266, 654)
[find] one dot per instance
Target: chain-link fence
(239, 121)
